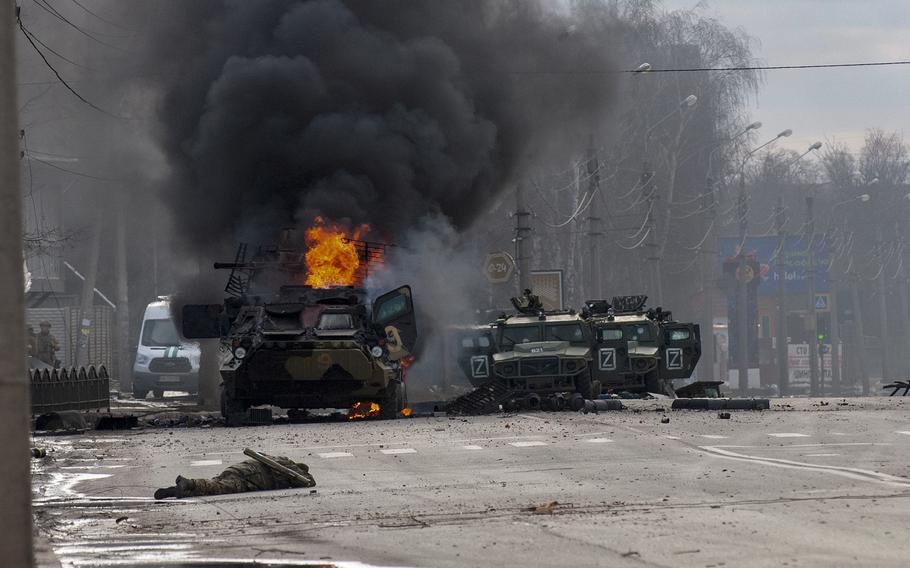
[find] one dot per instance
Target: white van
(164, 360)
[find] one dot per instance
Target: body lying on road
(249, 475)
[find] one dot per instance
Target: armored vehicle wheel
(139, 392)
(394, 402)
(584, 386)
(229, 406)
(158, 393)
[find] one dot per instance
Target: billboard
(795, 258)
(548, 286)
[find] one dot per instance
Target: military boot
(166, 492)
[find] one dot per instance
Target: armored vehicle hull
(305, 347)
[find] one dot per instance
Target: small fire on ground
(332, 256)
(363, 410)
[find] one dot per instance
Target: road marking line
(797, 446)
(472, 447)
(599, 441)
(330, 455)
(904, 432)
(396, 451)
(789, 435)
(672, 437)
(527, 444)
(848, 472)
(838, 434)
(203, 463)
(821, 455)
(714, 436)
(495, 439)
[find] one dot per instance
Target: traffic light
(823, 328)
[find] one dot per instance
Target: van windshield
(160, 333)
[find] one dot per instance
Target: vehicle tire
(652, 383)
(230, 407)
(584, 386)
(394, 401)
(139, 392)
(158, 393)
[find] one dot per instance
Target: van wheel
(393, 402)
(139, 393)
(158, 393)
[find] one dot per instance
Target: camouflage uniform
(46, 344)
(32, 342)
(249, 475)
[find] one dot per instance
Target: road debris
(546, 509)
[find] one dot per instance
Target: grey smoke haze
(376, 112)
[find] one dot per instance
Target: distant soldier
(527, 303)
(249, 475)
(46, 344)
(31, 341)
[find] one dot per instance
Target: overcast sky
(825, 103)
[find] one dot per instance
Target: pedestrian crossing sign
(822, 302)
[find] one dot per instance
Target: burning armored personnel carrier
(292, 335)
(618, 346)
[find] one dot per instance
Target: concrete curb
(721, 404)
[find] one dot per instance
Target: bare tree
(884, 156)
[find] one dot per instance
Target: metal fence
(85, 388)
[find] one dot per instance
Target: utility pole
(836, 354)
(783, 346)
(522, 234)
(15, 491)
(883, 306)
(87, 309)
(594, 234)
(742, 293)
(124, 353)
(708, 260)
(652, 257)
(859, 357)
(594, 229)
(812, 324)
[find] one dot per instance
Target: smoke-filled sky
(376, 112)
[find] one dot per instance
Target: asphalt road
(804, 485)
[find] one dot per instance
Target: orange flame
(363, 410)
(406, 412)
(331, 257)
(406, 363)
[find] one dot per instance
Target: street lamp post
(814, 383)
(837, 366)
(742, 299)
(653, 247)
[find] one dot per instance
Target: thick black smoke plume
(372, 111)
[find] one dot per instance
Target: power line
(52, 50)
(105, 20)
(27, 35)
(62, 169)
(54, 12)
(710, 69)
